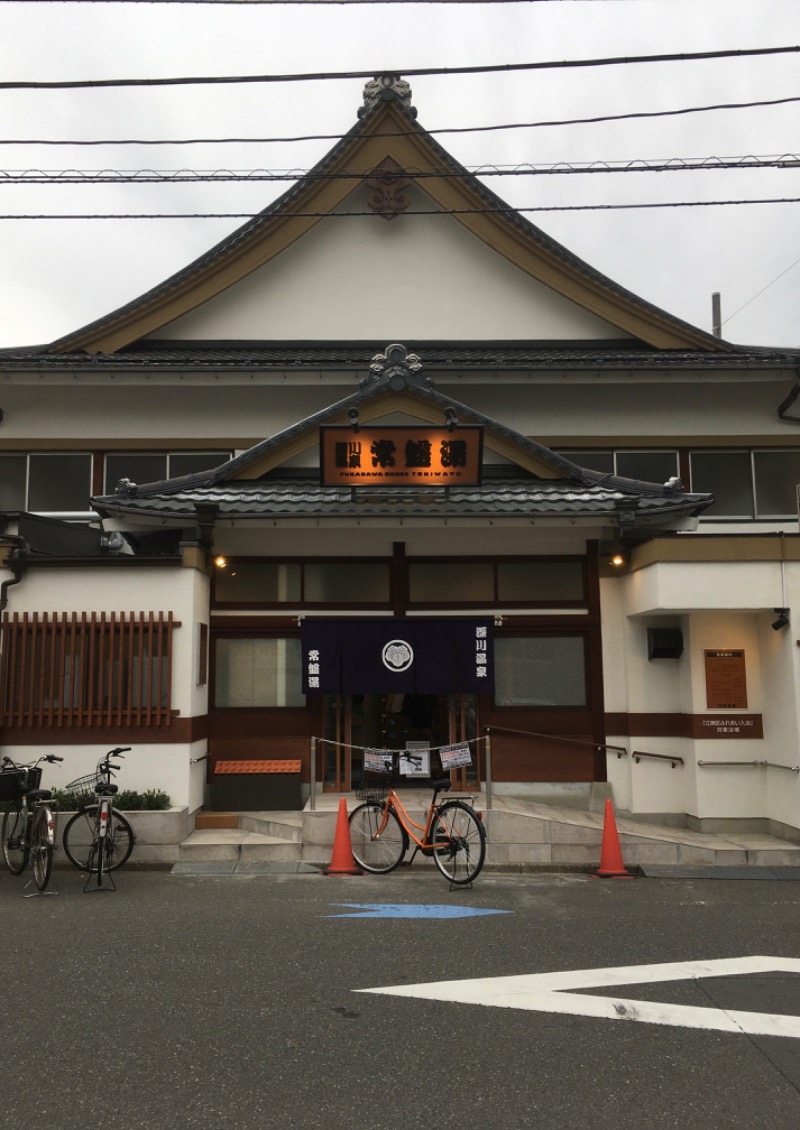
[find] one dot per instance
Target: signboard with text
(400, 456)
(726, 682)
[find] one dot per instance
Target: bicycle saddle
(39, 794)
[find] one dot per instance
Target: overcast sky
(56, 276)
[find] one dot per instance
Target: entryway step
(205, 820)
(237, 845)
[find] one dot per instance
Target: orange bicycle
(381, 828)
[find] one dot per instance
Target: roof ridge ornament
(387, 87)
(397, 368)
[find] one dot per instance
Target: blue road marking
(410, 910)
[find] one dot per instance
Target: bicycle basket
(375, 784)
(14, 783)
(82, 788)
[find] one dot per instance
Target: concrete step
(237, 845)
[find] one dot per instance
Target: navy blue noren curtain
(447, 655)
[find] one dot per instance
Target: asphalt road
(228, 1003)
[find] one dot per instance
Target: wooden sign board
(400, 456)
(726, 682)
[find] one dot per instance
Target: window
(258, 673)
(98, 669)
(446, 583)
(777, 474)
(747, 484)
(649, 466)
(728, 475)
(45, 483)
(346, 583)
(540, 671)
(541, 581)
(153, 466)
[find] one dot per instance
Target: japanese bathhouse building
(386, 468)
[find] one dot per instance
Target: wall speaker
(664, 643)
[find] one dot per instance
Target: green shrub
(127, 799)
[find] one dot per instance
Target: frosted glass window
(348, 583)
(257, 673)
(777, 476)
(550, 581)
(186, 464)
(592, 460)
(254, 582)
(647, 466)
(59, 482)
(540, 671)
(138, 468)
(728, 475)
(445, 583)
(13, 471)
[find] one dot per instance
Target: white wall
(635, 684)
(351, 279)
(184, 592)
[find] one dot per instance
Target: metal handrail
(637, 754)
(757, 764)
(618, 749)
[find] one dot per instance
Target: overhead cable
(406, 72)
(402, 133)
(226, 176)
(277, 215)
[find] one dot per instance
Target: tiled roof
(356, 358)
(510, 497)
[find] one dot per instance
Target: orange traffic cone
(342, 862)
(611, 865)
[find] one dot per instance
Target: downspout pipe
(17, 563)
(789, 401)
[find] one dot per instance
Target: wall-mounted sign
(727, 726)
(726, 683)
(400, 456)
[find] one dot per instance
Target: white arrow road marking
(551, 992)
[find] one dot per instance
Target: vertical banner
(400, 656)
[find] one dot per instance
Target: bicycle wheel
(15, 841)
(42, 837)
(80, 839)
(458, 828)
(376, 853)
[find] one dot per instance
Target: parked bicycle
(381, 828)
(29, 820)
(98, 838)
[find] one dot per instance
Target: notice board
(726, 680)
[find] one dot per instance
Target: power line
(411, 72)
(304, 3)
(405, 133)
(421, 212)
(226, 176)
(739, 309)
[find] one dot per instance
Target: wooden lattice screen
(86, 669)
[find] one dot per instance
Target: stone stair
(244, 837)
(523, 834)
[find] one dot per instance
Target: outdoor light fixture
(352, 415)
(221, 562)
(450, 416)
(782, 621)
(617, 559)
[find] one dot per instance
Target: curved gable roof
(387, 130)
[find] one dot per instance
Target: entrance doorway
(419, 723)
